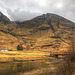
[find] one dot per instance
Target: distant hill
(49, 32)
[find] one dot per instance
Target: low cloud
(27, 9)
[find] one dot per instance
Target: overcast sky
(22, 10)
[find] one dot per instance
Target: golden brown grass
(22, 55)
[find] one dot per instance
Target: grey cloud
(27, 9)
(18, 15)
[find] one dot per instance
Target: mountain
(48, 32)
(4, 19)
(7, 41)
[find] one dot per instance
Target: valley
(38, 37)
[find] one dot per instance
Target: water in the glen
(20, 67)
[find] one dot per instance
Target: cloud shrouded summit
(27, 9)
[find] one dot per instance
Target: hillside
(7, 41)
(48, 32)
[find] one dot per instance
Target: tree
(20, 47)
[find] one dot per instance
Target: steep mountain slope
(4, 19)
(5, 24)
(46, 32)
(6, 39)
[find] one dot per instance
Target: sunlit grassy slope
(46, 32)
(8, 41)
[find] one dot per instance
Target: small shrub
(20, 47)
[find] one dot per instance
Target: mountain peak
(4, 18)
(43, 19)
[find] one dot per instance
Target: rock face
(46, 32)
